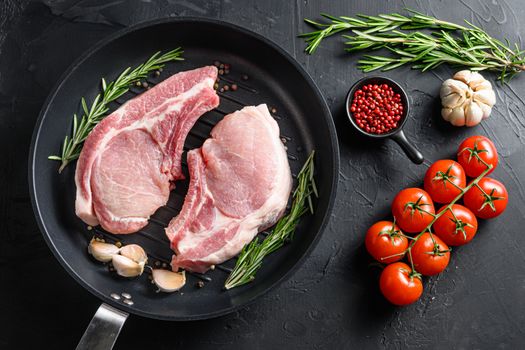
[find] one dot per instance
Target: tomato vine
(447, 207)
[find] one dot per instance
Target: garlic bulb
(168, 281)
(101, 251)
(131, 261)
(467, 98)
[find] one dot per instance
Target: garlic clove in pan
(131, 261)
(126, 267)
(168, 281)
(135, 253)
(101, 251)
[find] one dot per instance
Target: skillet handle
(103, 330)
(409, 149)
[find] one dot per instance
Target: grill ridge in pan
(275, 78)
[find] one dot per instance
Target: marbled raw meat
(240, 182)
(129, 161)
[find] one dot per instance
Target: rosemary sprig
(446, 42)
(91, 116)
(372, 24)
(252, 255)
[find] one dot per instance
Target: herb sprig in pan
(91, 116)
(446, 42)
(252, 255)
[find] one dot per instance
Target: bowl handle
(103, 330)
(409, 149)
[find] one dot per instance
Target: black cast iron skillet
(274, 77)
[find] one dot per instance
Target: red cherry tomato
(430, 255)
(457, 226)
(474, 151)
(399, 285)
(488, 203)
(413, 210)
(444, 180)
(385, 242)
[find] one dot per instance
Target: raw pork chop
(129, 160)
(240, 182)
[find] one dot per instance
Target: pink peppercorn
(376, 108)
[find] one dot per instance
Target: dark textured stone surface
(333, 300)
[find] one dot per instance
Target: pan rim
(94, 49)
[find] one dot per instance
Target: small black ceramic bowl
(396, 134)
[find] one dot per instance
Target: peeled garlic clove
(126, 267)
(473, 114)
(487, 97)
(168, 281)
(101, 251)
(135, 253)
